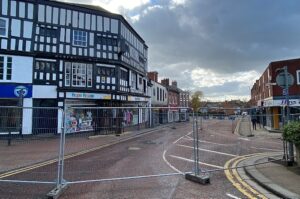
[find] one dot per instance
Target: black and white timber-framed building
(62, 54)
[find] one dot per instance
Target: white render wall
(41, 91)
(27, 116)
(21, 69)
(154, 101)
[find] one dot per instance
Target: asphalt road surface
(163, 151)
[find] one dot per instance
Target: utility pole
(291, 145)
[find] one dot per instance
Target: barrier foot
(57, 191)
(201, 179)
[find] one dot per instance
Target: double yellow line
(48, 162)
(233, 176)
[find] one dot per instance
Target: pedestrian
(253, 123)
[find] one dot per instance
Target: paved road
(164, 151)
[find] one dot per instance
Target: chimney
(153, 75)
(174, 83)
(165, 82)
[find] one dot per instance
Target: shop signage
(77, 95)
(292, 102)
(137, 99)
(16, 91)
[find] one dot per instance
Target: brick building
(269, 97)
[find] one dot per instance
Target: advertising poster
(78, 120)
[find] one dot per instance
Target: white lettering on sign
(76, 95)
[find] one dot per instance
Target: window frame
(80, 72)
(6, 27)
(82, 42)
(7, 71)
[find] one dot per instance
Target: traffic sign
(285, 92)
(280, 79)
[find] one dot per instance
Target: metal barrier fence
(51, 142)
(44, 140)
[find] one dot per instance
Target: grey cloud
(226, 36)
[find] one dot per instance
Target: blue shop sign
(15, 91)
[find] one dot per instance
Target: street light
(286, 88)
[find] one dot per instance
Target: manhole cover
(133, 148)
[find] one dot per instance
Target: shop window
(3, 27)
(5, 68)
(79, 38)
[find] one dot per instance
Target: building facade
(61, 54)
(173, 100)
(269, 95)
(159, 100)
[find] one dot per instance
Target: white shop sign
(137, 99)
(270, 103)
(76, 95)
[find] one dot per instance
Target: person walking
(253, 120)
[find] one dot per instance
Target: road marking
(169, 164)
(211, 151)
(266, 149)
(232, 196)
(235, 173)
(245, 139)
(189, 160)
(203, 141)
(231, 179)
(241, 185)
(182, 137)
(48, 162)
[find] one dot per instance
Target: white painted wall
(21, 69)
(27, 116)
(154, 100)
(41, 91)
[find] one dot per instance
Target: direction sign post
(285, 80)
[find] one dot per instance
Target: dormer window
(79, 38)
(3, 27)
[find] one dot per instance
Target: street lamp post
(287, 119)
(291, 146)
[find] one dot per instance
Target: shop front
(14, 118)
(84, 112)
(276, 112)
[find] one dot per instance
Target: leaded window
(82, 74)
(45, 72)
(79, 38)
(3, 27)
(48, 32)
(5, 68)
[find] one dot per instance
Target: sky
(219, 47)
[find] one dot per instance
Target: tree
(196, 100)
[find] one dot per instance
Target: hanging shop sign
(77, 95)
(16, 91)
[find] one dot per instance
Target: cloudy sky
(217, 46)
